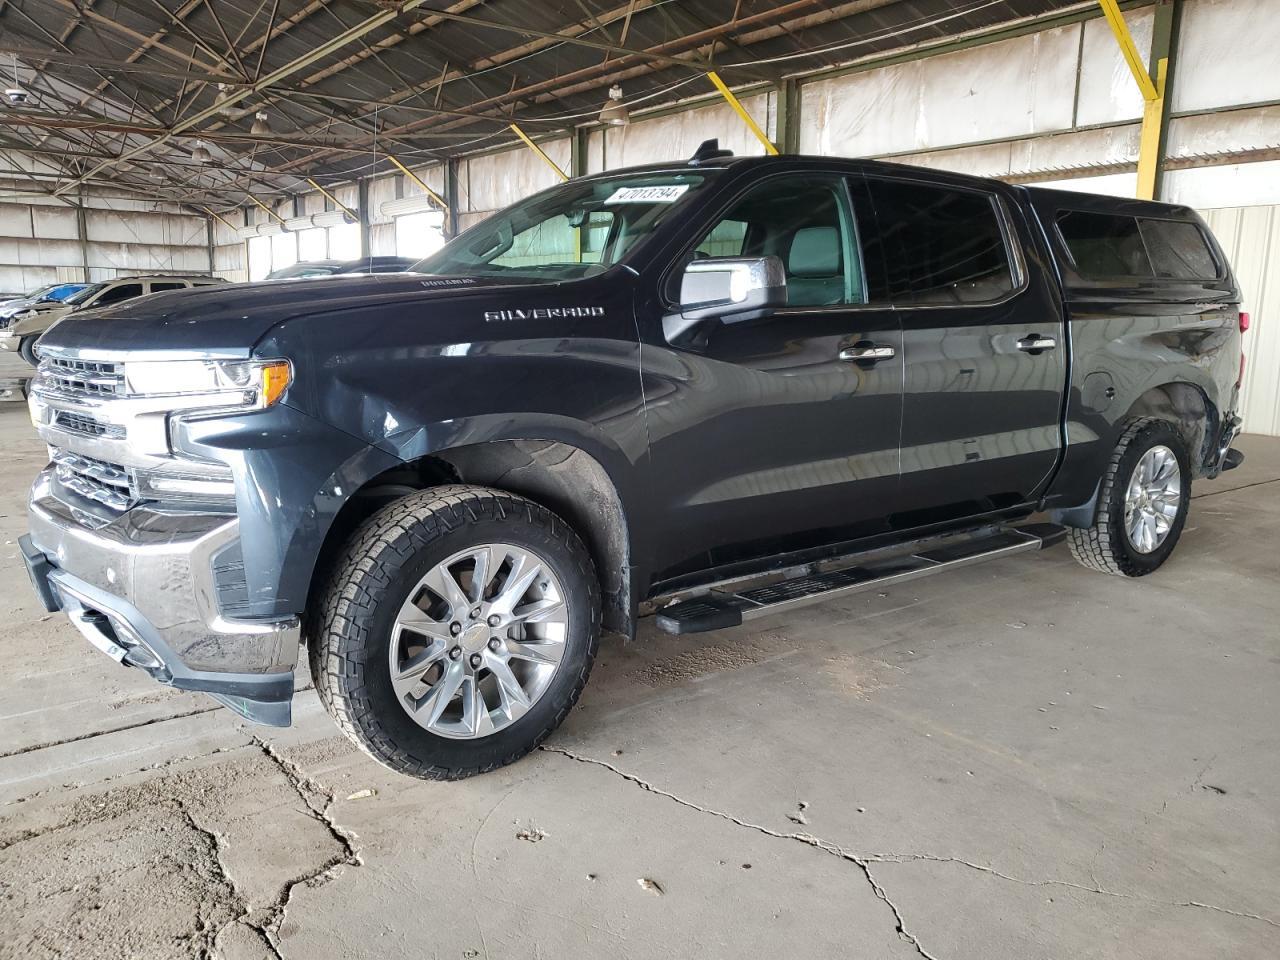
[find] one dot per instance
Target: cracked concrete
(1019, 760)
(862, 863)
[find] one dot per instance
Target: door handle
(1034, 343)
(866, 352)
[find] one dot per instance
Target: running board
(720, 608)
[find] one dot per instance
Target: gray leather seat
(814, 273)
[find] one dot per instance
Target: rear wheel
(1142, 502)
(457, 632)
(27, 349)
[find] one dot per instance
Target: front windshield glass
(63, 292)
(84, 294)
(578, 229)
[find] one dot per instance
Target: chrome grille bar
(97, 480)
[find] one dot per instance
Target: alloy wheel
(478, 640)
(1153, 499)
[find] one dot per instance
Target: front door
(983, 346)
(780, 432)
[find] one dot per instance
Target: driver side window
(807, 224)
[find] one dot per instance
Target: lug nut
(455, 628)
(494, 643)
(475, 659)
(455, 653)
(494, 620)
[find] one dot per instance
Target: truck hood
(227, 320)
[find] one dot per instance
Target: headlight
(255, 384)
(26, 315)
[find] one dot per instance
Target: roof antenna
(708, 150)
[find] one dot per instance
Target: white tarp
(1007, 89)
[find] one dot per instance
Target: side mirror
(728, 289)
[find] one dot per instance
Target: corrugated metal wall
(1251, 238)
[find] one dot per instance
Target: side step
(729, 607)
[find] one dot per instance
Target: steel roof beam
(275, 76)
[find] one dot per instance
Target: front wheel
(457, 631)
(27, 349)
(1142, 502)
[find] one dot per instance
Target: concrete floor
(1018, 760)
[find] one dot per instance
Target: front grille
(87, 426)
(83, 378)
(97, 480)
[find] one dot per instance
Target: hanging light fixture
(220, 101)
(201, 153)
(615, 112)
(17, 95)
(260, 126)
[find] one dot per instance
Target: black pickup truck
(711, 389)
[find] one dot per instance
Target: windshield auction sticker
(668, 193)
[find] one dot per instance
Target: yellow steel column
(1149, 145)
(539, 151)
(1152, 94)
(419, 181)
(222, 220)
(741, 111)
(338, 203)
(279, 219)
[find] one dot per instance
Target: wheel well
(1186, 406)
(565, 479)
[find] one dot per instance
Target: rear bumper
(142, 589)
(1224, 457)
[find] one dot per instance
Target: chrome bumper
(142, 589)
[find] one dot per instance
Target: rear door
(983, 345)
(780, 432)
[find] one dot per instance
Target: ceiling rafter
(424, 82)
(605, 73)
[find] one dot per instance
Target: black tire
(383, 561)
(27, 349)
(1105, 546)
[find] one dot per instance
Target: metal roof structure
(123, 92)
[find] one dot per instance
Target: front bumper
(8, 340)
(144, 590)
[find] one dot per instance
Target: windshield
(578, 229)
(63, 292)
(85, 294)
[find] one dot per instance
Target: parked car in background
(21, 330)
(329, 268)
(11, 303)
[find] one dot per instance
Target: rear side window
(157, 287)
(1103, 245)
(941, 246)
(1178, 249)
(1109, 246)
(126, 291)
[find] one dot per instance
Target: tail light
(1244, 325)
